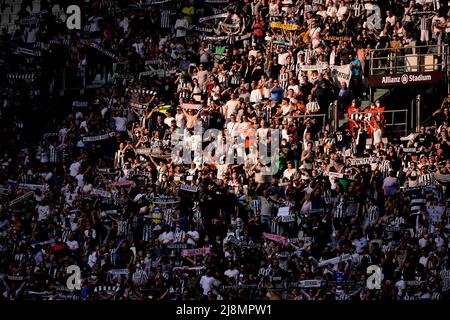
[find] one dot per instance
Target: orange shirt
(380, 113)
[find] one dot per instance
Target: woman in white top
(274, 9)
(377, 134)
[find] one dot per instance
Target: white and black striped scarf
(106, 288)
(340, 211)
(399, 221)
(372, 213)
(384, 167)
(236, 78)
(147, 232)
(166, 19)
(426, 179)
(122, 226)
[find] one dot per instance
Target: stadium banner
(175, 246)
(230, 25)
(279, 25)
(189, 188)
(29, 21)
(80, 104)
(149, 73)
(99, 137)
(335, 175)
(106, 288)
(153, 62)
(21, 198)
(191, 106)
(409, 150)
(313, 67)
(217, 1)
(280, 43)
(337, 38)
(166, 200)
(363, 161)
(144, 151)
(108, 212)
(160, 2)
(286, 219)
(29, 186)
(216, 16)
(21, 76)
(101, 193)
(234, 241)
(117, 272)
(275, 237)
(186, 268)
(125, 183)
(43, 243)
(335, 260)
(195, 252)
(34, 53)
(50, 134)
(201, 29)
(106, 52)
(223, 38)
(310, 283)
(139, 106)
(341, 74)
(16, 278)
(106, 170)
(406, 79)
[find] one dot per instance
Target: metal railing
(409, 59)
(393, 119)
(322, 117)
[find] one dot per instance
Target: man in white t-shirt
(120, 123)
(390, 18)
(72, 244)
(331, 9)
(74, 168)
(290, 171)
(167, 236)
(192, 236)
(181, 26)
(437, 25)
(139, 45)
(255, 94)
(342, 11)
(231, 106)
(233, 126)
(168, 119)
(43, 211)
(282, 57)
(232, 271)
(254, 51)
(206, 282)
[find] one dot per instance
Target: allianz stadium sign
(407, 78)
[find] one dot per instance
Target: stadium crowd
(105, 191)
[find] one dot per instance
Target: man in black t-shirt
(343, 139)
(423, 139)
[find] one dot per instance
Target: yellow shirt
(188, 13)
